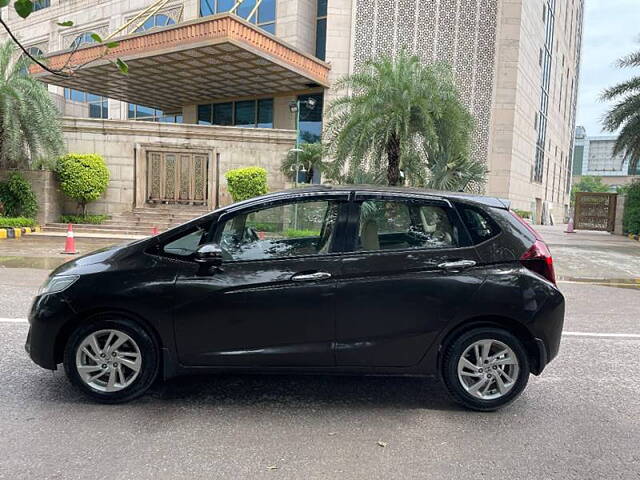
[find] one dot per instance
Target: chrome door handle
(457, 265)
(310, 277)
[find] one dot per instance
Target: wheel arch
(112, 313)
(515, 327)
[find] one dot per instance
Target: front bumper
(49, 314)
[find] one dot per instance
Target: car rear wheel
(485, 368)
(111, 360)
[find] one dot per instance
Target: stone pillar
(617, 229)
(296, 23)
(282, 116)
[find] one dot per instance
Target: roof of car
(412, 191)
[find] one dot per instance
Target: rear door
(410, 271)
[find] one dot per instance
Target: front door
(409, 274)
(272, 302)
(177, 177)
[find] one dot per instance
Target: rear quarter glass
(512, 240)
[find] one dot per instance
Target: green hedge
(246, 183)
(293, 233)
(17, 197)
(83, 177)
(87, 219)
(522, 213)
(17, 222)
(631, 218)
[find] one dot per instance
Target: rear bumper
(547, 330)
(49, 314)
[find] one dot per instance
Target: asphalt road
(579, 420)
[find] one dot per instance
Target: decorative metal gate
(595, 211)
(177, 177)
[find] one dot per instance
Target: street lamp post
(294, 107)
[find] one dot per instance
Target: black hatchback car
(348, 280)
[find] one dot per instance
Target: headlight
(57, 284)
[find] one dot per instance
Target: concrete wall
(45, 187)
(124, 145)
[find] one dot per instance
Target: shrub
(83, 177)
(293, 233)
(17, 197)
(17, 222)
(86, 219)
(631, 219)
(246, 183)
(522, 213)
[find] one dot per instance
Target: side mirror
(209, 254)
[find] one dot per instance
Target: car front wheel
(485, 368)
(111, 360)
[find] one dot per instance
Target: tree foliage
(631, 218)
(625, 113)
(246, 183)
(589, 183)
(405, 119)
(309, 160)
(83, 177)
(29, 120)
(17, 197)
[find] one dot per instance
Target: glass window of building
(155, 21)
(246, 113)
(321, 30)
(35, 52)
(148, 114)
(40, 4)
(310, 118)
(82, 39)
(264, 16)
(98, 105)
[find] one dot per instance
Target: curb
(634, 237)
(9, 232)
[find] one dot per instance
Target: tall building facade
(593, 156)
(221, 76)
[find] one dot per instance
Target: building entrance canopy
(194, 62)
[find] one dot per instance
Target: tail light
(538, 258)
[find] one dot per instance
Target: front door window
(288, 230)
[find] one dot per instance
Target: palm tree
(309, 159)
(29, 121)
(397, 116)
(625, 113)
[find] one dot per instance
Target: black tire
(453, 352)
(149, 353)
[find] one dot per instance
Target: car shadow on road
(305, 390)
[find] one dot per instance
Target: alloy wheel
(108, 360)
(488, 369)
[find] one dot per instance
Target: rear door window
(399, 225)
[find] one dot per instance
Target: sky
(611, 30)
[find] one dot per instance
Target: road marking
(594, 334)
(13, 320)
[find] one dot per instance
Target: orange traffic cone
(570, 226)
(70, 243)
(154, 231)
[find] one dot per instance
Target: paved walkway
(589, 256)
